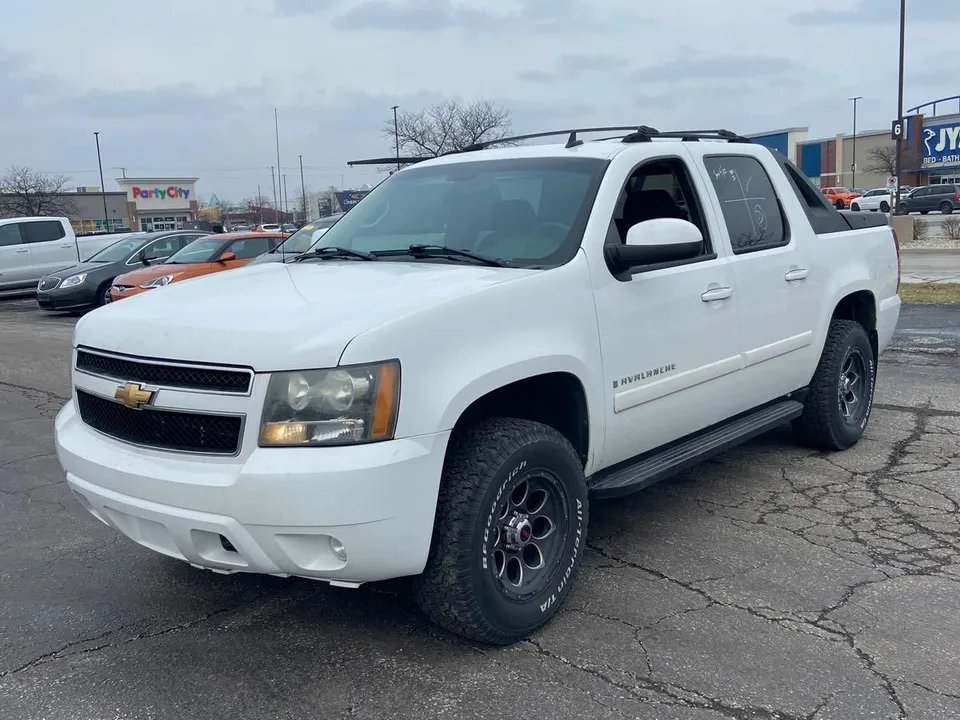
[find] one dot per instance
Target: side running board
(645, 470)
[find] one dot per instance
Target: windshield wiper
(334, 251)
(444, 251)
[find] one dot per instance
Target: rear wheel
(946, 208)
(837, 407)
(509, 533)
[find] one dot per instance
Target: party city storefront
(160, 203)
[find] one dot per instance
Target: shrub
(921, 231)
(951, 227)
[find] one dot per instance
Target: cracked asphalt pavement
(771, 582)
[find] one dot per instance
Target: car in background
(87, 284)
(873, 200)
(289, 228)
(204, 256)
(839, 197)
(930, 198)
(269, 227)
(300, 241)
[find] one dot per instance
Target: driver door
(670, 335)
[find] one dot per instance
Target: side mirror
(227, 257)
(654, 242)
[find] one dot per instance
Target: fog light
(336, 547)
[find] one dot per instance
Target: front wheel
(509, 534)
(840, 397)
(839, 204)
(884, 207)
(855, 207)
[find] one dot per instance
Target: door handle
(714, 294)
(66, 246)
(796, 274)
(23, 249)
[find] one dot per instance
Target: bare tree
(447, 126)
(27, 193)
(883, 160)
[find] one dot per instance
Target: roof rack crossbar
(687, 136)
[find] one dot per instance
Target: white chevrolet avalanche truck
(487, 342)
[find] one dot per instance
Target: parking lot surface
(772, 582)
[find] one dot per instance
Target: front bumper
(81, 296)
(271, 511)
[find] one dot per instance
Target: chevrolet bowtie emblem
(133, 395)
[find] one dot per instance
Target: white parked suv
(484, 343)
(873, 200)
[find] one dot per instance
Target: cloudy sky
(188, 87)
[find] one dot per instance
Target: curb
(929, 251)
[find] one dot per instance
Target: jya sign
(941, 144)
(161, 193)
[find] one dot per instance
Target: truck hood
(277, 316)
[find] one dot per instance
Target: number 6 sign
(896, 129)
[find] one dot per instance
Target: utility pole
(259, 205)
(899, 150)
(276, 127)
(853, 162)
(396, 134)
(286, 202)
(273, 180)
(103, 190)
(303, 191)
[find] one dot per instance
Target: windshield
(527, 211)
(199, 251)
(306, 236)
(120, 250)
(840, 190)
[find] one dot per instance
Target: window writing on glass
(751, 209)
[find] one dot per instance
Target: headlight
(157, 282)
(339, 406)
(73, 281)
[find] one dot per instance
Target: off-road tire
(459, 589)
(822, 424)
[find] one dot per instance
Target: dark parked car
(299, 242)
(86, 284)
(945, 198)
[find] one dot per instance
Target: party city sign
(941, 145)
(161, 193)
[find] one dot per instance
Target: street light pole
(899, 150)
(853, 163)
(396, 134)
(103, 190)
(303, 190)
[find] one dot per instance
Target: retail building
(160, 203)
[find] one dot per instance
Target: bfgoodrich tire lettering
(837, 408)
(494, 470)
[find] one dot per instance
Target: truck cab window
(660, 189)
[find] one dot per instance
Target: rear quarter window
(751, 208)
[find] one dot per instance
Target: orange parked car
(206, 255)
(839, 197)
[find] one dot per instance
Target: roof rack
(630, 134)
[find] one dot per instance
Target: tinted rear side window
(751, 208)
(42, 231)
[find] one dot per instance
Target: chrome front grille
(172, 374)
